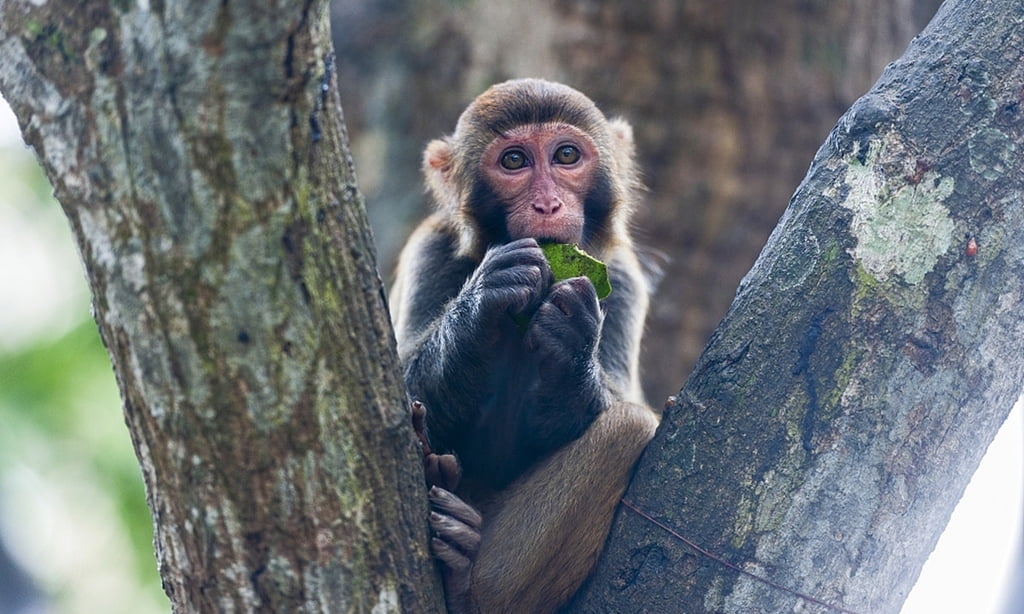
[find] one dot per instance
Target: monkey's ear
(623, 153)
(622, 135)
(439, 169)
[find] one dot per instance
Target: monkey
(531, 384)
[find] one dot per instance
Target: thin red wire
(726, 563)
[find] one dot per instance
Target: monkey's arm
(541, 542)
(429, 275)
(449, 314)
(625, 310)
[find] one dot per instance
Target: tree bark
(199, 153)
(868, 359)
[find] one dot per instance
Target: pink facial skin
(542, 172)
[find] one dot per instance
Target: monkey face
(534, 159)
(540, 174)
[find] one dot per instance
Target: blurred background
(729, 101)
(75, 532)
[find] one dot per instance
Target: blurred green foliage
(70, 485)
(64, 394)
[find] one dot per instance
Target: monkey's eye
(567, 154)
(513, 159)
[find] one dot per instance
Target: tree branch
(869, 357)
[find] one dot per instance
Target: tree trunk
(870, 356)
(199, 153)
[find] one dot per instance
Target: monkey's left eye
(513, 159)
(567, 154)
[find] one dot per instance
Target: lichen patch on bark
(902, 227)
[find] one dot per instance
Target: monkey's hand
(511, 279)
(563, 335)
(456, 542)
(453, 362)
(439, 469)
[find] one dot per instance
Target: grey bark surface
(866, 362)
(199, 152)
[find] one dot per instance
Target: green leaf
(568, 261)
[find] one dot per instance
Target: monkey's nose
(547, 206)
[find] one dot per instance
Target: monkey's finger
(553, 330)
(451, 557)
(457, 575)
(431, 469)
(513, 296)
(523, 251)
(455, 533)
(419, 412)
(448, 504)
(520, 250)
(575, 295)
(519, 276)
(449, 470)
(419, 426)
(521, 243)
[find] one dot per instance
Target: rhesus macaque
(532, 385)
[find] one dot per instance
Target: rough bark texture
(868, 358)
(729, 100)
(199, 152)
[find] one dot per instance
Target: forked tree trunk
(839, 410)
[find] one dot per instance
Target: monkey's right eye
(513, 159)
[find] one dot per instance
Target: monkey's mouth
(547, 239)
(553, 229)
(558, 231)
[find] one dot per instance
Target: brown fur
(545, 533)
